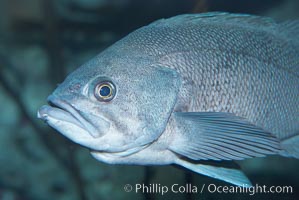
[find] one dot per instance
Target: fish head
(113, 103)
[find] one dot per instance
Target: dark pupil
(105, 91)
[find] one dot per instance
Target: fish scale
(248, 87)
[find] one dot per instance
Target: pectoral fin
(220, 136)
(230, 175)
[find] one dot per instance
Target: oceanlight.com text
(157, 188)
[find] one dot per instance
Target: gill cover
(159, 90)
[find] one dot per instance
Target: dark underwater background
(41, 41)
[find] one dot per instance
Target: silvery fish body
(213, 86)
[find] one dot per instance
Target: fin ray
(230, 175)
(220, 136)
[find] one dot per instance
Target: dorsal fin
(288, 31)
(219, 17)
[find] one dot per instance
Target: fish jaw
(65, 123)
(67, 120)
(73, 129)
(94, 132)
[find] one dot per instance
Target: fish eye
(104, 91)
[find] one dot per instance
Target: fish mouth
(62, 111)
(78, 127)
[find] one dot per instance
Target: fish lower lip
(46, 112)
(66, 112)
